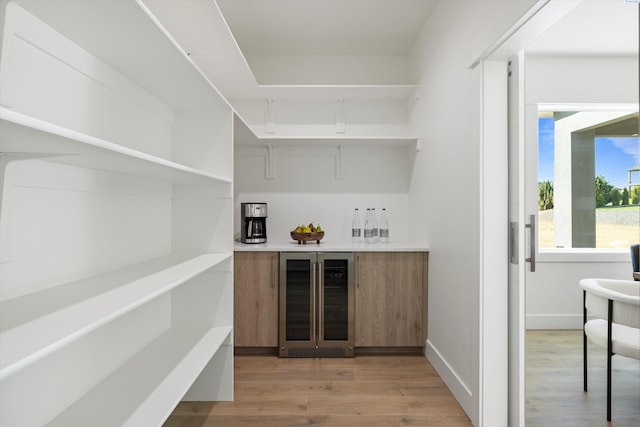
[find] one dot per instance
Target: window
(588, 179)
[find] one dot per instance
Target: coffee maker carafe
(253, 219)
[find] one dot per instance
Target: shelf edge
(99, 314)
(161, 390)
(94, 143)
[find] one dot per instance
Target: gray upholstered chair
(613, 307)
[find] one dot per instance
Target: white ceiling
(390, 27)
(343, 34)
(312, 49)
(326, 27)
(594, 27)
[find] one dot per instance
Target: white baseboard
(458, 388)
(554, 321)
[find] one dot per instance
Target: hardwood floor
(360, 391)
(554, 383)
(405, 390)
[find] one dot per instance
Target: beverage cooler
(316, 304)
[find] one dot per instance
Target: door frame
(490, 67)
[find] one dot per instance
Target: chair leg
(584, 340)
(609, 354)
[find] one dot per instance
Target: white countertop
(328, 246)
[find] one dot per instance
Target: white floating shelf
(334, 92)
(60, 315)
(25, 134)
(337, 140)
(160, 382)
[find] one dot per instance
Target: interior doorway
(543, 25)
(563, 75)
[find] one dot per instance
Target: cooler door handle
(321, 302)
(313, 302)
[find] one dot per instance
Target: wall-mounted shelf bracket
(340, 163)
(411, 103)
(270, 122)
(341, 117)
(8, 157)
(270, 164)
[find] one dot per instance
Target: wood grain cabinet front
(256, 299)
(391, 299)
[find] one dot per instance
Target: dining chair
(635, 259)
(613, 308)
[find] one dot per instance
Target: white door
(537, 20)
(523, 236)
(518, 241)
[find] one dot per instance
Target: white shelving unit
(290, 114)
(116, 219)
(302, 121)
(157, 390)
(24, 134)
(69, 311)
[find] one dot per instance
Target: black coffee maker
(253, 219)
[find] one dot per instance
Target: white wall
(53, 215)
(553, 298)
(144, 122)
(309, 185)
(329, 69)
(581, 79)
(445, 182)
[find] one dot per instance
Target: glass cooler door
(297, 303)
(336, 301)
(316, 304)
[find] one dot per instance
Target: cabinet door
(256, 299)
(390, 299)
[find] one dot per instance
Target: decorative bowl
(303, 238)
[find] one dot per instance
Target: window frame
(578, 255)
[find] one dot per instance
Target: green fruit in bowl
(308, 229)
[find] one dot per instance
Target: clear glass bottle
(384, 227)
(356, 231)
(374, 226)
(368, 232)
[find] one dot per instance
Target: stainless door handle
(532, 242)
(313, 303)
(321, 301)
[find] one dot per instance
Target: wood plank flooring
(406, 391)
(554, 395)
(360, 391)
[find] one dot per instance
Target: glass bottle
(384, 227)
(374, 226)
(356, 231)
(367, 227)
